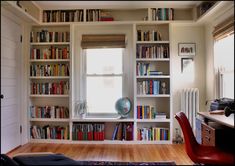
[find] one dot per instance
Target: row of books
(62, 15)
(49, 132)
(143, 69)
(98, 15)
(123, 131)
(49, 70)
(49, 112)
(162, 14)
(148, 87)
(51, 88)
(149, 112)
(159, 51)
(88, 131)
(153, 35)
(153, 134)
(93, 15)
(46, 36)
(50, 53)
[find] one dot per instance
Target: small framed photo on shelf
(187, 49)
(186, 65)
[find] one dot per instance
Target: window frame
(83, 93)
(220, 71)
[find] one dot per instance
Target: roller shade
(223, 29)
(103, 41)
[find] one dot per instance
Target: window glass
(104, 79)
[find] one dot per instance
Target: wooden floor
(174, 152)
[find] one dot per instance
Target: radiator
(190, 104)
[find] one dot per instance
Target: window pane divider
(104, 75)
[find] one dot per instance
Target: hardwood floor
(174, 152)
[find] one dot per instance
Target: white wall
(189, 34)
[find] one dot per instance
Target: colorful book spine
(51, 88)
(153, 134)
(48, 36)
(152, 52)
(49, 70)
(49, 132)
(146, 112)
(49, 112)
(88, 131)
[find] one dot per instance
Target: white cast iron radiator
(190, 104)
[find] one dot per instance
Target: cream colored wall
(189, 34)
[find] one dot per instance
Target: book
(114, 135)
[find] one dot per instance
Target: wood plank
(134, 153)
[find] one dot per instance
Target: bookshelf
(154, 35)
(152, 103)
(49, 83)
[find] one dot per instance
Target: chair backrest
(190, 141)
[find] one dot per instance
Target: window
(224, 63)
(103, 79)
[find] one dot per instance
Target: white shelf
(101, 120)
(152, 120)
(49, 60)
(155, 142)
(49, 120)
(104, 142)
(157, 76)
(150, 42)
(11, 5)
(160, 95)
(49, 141)
(48, 95)
(49, 77)
(97, 142)
(49, 43)
(153, 60)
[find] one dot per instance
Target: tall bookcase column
(49, 83)
(152, 83)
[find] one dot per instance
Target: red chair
(199, 153)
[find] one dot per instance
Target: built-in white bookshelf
(49, 83)
(152, 66)
(140, 19)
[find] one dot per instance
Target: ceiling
(114, 4)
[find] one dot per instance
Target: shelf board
(49, 43)
(160, 95)
(98, 142)
(103, 142)
(152, 42)
(49, 60)
(206, 16)
(156, 76)
(49, 141)
(11, 6)
(114, 23)
(155, 142)
(48, 95)
(102, 120)
(153, 59)
(49, 120)
(152, 120)
(50, 77)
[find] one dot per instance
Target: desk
(221, 119)
(215, 130)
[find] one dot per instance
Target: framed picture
(187, 49)
(186, 65)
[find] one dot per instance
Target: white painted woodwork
(10, 84)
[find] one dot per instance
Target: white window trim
(83, 76)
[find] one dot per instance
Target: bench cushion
(52, 159)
